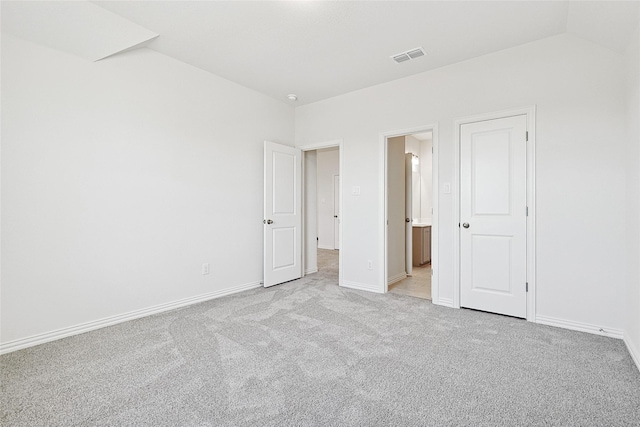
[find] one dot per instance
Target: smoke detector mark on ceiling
(408, 55)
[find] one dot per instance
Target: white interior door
(282, 213)
(493, 177)
(336, 211)
(408, 213)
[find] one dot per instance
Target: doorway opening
(410, 212)
(322, 225)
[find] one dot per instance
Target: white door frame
(336, 217)
(318, 146)
(530, 112)
(408, 213)
(383, 286)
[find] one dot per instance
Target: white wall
(396, 234)
(115, 177)
(412, 145)
(423, 181)
(579, 91)
(119, 179)
(310, 211)
(328, 166)
(426, 177)
(632, 323)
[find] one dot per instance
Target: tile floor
(328, 261)
(417, 285)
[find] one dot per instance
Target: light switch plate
(355, 190)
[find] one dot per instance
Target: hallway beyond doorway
(328, 262)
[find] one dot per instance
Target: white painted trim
(331, 248)
(396, 278)
(303, 231)
(383, 285)
(435, 216)
(310, 271)
(33, 340)
(455, 194)
(530, 113)
(361, 286)
(320, 145)
(531, 219)
(445, 302)
(633, 351)
(342, 212)
(334, 207)
(316, 146)
(579, 326)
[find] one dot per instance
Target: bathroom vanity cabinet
(421, 244)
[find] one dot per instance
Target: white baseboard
(633, 351)
(396, 278)
(360, 286)
(33, 340)
(579, 326)
(445, 302)
(310, 271)
(331, 248)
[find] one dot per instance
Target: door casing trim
(530, 113)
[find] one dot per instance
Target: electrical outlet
(369, 264)
(205, 268)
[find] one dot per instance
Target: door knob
(465, 225)
(267, 221)
(407, 220)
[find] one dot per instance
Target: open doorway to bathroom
(409, 190)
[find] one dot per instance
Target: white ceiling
(321, 49)
(81, 28)
(424, 136)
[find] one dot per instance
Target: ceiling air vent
(401, 58)
(415, 53)
(408, 55)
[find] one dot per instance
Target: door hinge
(458, 225)
(527, 136)
(527, 210)
(527, 287)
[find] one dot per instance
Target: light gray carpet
(311, 353)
